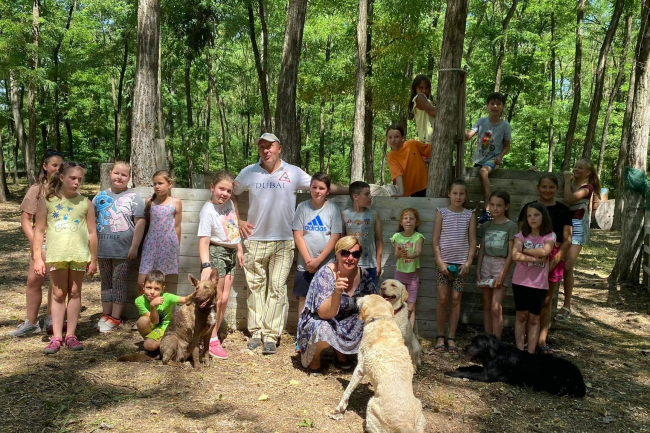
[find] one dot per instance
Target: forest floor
(88, 391)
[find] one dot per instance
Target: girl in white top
(421, 108)
(220, 247)
(454, 246)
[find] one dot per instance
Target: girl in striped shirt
(454, 246)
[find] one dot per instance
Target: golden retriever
(394, 292)
(383, 357)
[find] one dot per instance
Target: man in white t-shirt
(272, 185)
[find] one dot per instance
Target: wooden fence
(646, 251)
(520, 184)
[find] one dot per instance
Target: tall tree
(144, 93)
(30, 154)
(118, 96)
(4, 189)
(57, 85)
(286, 123)
(551, 137)
(368, 150)
(445, 131)
(261, 73)
(614, 93)
(321, 142)
(502, 44)
(19, 129)
(577, 71)
(599, 83)
(628, 258)
(356, 160)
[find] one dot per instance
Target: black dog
(505, 363)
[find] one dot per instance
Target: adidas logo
(316, 225)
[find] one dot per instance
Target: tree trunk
(190, 121)
(632, 233)
(445, 131)
(383, 164)
(356, 160)
(470, 46)
(261, 75)
(329, 154)
(117, 106)
(513, 104)
(55, 57)
(145, 93)
(224, 145)
(4, 189)
(599, 82)
(30, 155)
(614, 93)
(18, 117)
(551, 138)
(502, 45)
(10, 130)
(369, 154)
(533, 147)
(321, 143)
(286, 122)
(68, 130)
(265, 44)
(573, 120)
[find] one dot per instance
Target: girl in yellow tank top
(71, 249)
(421, 108)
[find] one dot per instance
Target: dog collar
(377, 318)
(399, 309)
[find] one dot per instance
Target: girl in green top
(71, 248)
(408, 247)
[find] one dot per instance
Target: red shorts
(555, 276)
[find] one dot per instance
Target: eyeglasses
(75, 164)
(52, 152)
(355, 254)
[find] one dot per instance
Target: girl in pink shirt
(533, 245)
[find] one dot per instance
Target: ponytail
(592, 179)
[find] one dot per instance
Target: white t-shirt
(272, 199)
(219, 221)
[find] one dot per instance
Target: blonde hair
(592, 179)
(55, 183)
(124, 163)
(347, 242)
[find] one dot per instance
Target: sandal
(440, 347)
(545, 349)
(563, 315)
(454, 348)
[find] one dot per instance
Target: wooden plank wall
(521, 185)
(646, 250)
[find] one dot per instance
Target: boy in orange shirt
(406, 161)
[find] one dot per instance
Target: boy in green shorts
(156, 309)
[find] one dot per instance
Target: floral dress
(342, 333)
(161, 249)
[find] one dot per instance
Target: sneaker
(269, 348)
(297, 347)
(254, 343)
(50, 329)
(110, 324)
(54, 346)
(102, 320)
(485, 216)
(217, 350)
(25, 328)
(72, 343)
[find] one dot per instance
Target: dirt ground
(89, 391)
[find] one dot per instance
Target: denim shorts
(580, 235)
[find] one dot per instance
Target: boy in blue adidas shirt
(316, 228)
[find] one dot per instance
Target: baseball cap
(267, 136)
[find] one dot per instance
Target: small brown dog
(385, 360)
(192, 324)
(394, 292)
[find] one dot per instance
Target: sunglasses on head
(75, 164)
(52, 152)
(355, 254)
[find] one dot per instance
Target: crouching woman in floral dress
(331, 316)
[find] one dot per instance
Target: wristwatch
(205, 265)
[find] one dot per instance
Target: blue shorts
(490, 163)
(580, 234)
(373, 274)
(301, 283)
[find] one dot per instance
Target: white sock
(213, 339)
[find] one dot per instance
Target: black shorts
(301, 283)
(528, 298)
(421, 193)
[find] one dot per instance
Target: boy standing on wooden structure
(494, 136)
(364, 223)
(268, 246)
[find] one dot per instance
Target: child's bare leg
(533, 332)
(487, 310)
(221, 305)
(441, 312)
(59, 284)
(569, 263)
(141, 278)
(320, 346)
(520, 329)
(545, 315)
(497, 310)
(34, 293)
(144, 326)
(75, 280)
(456, 297)
(411, 307)
(151, 345)
(483, 175)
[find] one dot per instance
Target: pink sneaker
(217, 351)
(54, 346)
(72, 343)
